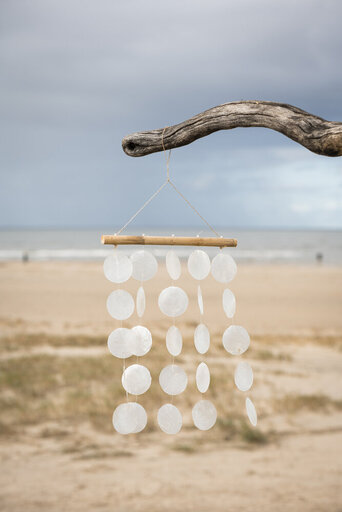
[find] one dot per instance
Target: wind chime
(130, 417)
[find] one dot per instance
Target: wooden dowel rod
(168, 240)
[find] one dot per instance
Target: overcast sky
(78, 75)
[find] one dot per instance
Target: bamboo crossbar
(168, 240)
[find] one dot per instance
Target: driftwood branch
(316, 134)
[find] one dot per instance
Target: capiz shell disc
(223, 268)
(251, 412)
(243, 376)
(173, 379)
(136, 379)
(145, 265)
(174, 341)
(141, 342)
(229, 303)
(236, 340)
(204, 415)
(199, 264)
(120, 304)
(200, 299)
(202, 377)
(141, 301)
(129, 418)
(120, 342)
(170, 419)
(173, 265)
(117, 267)
(202, 339)
(173, 301)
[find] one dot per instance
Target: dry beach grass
(59, 386)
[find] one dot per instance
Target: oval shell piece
(141, 342)
(173, 301)
(229, 303)
(200, 299)
(202, 339)
(170, 419)
(173, 265)
(204, 415)
(117, 267)
(236, 340)
(120, 304)
(202, 377)
(251, 412)
(243, 376)
(174, 341)
(136, 379)
(129, 418)
(120, 341)
(145, 265)
(199, 264)
(140, 301)
(173, 379)
(223, 268)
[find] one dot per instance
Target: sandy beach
(59, 387)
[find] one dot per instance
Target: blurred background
(76, 76)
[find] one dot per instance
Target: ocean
(257, 246)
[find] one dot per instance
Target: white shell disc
(229, 303)
(202, 377)
(204, 415)
(140, 302)
(129, 418)
(243, 376)
(173, 265)
(199, 264)
(170, 419)
(136, 379)
(173, 379)
(251, 412)
(120, 341)
(236, 340)
(117, 267)
(202, 338)
(142, 340)
(120, 304)
(173, 301)
(174, 341)
(145, 265)
(223, 268)
(200, 299)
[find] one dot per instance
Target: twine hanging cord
(168, 181)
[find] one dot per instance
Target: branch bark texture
(314, 133)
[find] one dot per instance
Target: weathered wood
(168, 240)
(316, 134)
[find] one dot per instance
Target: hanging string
(168, 180)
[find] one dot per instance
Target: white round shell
(199, 264)
(129, 418)
(229, 303)
(142, 340)
(173, 379)
(120, 304)
(136, 379)
(145, 265)
(223, 268)
(174, 341)
(251, 412)
(173, 301)
(140, 301)
(202, 377)
(173, 265)
(202, 339)
(170, 419)
(243, 376)
(200, 299)
(117, 267)
(204, 415)
(236, 340)
(120, 342)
